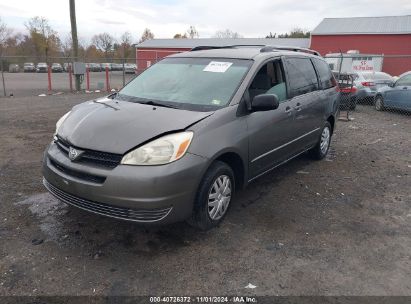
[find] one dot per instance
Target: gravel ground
(340, 226)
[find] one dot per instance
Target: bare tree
(45, 39)
(5, 33)
(192, 32)
(67, 46)
(104, 42)
(147, 35)
(125, 44)
(227, 34)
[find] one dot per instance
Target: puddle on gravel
(47, 209)
(103, 235)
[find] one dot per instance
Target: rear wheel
(213, 197)
(379, 103)
(321, 148)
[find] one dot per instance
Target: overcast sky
(253, 18)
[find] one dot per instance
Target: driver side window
(269, 80)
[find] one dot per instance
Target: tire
(321, 148)
(205, 216)
(379, 103)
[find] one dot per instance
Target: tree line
(41, 41)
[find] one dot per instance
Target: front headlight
(60, 121)
(161, 151)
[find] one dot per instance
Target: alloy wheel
(325, 140)
(219, 197)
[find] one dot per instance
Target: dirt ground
(340, 226)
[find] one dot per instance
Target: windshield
(202, 84)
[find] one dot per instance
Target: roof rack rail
(264, 48)
(210, 47)
(269, 48)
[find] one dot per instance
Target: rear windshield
(191, 83)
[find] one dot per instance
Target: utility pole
(74, 38)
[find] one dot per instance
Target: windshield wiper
(158, 104)
(145, 101)
(105, 104)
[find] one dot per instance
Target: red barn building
(369, 35)
(150, 51)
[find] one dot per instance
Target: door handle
(298, 106)
(404, 88)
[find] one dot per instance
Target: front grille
(103, 159)
(81, 175)
(136, 215)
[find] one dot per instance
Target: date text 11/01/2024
(200, 299)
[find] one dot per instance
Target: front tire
(379, 103)
(321, 148)
(213, 197)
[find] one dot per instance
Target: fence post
(2, 77)
(124, 75)
(107, 80)
(70, 78)
(49, 78)
(88, 78)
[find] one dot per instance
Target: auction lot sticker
(217, 67)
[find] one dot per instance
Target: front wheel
(321, 148)
(213, 197)
(379, 103)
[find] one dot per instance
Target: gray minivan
(178, 140)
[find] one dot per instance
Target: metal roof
(190, 43)
(364, 25)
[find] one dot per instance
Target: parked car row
(129, 68)
(30, 67)
(42, 67)
(377, 88)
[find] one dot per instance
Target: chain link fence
(377, 81)
(27, 76)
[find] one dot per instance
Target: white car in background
(368, 83)
(106, 65)
(130, 68)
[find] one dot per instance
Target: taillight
(348, 90)
(368, 84)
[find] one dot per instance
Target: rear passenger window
(324, 73)
(301, 76)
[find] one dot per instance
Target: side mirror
(265, 102)
(391, 84)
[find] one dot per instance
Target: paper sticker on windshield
(217, 67)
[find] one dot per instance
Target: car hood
(118, 126)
